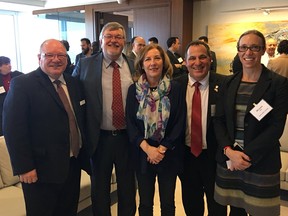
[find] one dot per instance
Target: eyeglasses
(116, 37)
(253, 48)
(51, 56)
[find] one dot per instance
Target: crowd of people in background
(150, 114)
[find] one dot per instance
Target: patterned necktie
(196, 122)
(118, 117)
(74, 134)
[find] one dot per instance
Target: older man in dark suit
(44, 149)
(201, 87)
(106, 78)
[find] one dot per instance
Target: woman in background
(6, 75)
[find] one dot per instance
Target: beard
(85, 51)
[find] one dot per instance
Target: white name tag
(82, 102)
(261, 109)
(2, 90)
(180, 59)
(213, 109)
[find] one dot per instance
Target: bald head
(138, 44)
(271, 45)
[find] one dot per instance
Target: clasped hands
(239, 160)
(154, 154)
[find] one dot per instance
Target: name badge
(2, 90)
(82, 102)
(180, 59)
(213, 109)
(261, 109)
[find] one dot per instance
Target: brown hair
(167, 67)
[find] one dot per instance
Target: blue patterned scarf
(154, 107)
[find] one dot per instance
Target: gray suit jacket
(89, 71)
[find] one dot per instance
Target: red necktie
(196, 122)
(74, 135)
(118, 117)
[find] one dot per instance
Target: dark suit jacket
(213, 67)
(215, 83)
(174, 60)
(261, 138)
(36, 125)
(89, 71)
(132, 56)
(3, 96)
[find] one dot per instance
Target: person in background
(213, 55)
(106, 127)
(86, 50)
(46, 151)
(153, 40)
(137, 43)
(271, 45)
(6, 75)
(176, 60)
(249, 122)
(95, 47)
(198, 176)
(236, 64)
(155, 113)
(70, 67)
(280, 64)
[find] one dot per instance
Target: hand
(239, 160)
(155, 155)
(29, 177)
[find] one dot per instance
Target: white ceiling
(55, 3)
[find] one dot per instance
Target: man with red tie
(106, 78)
(201, 87)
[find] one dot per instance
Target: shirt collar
(61, 78)
(204, 82)
(119, 61)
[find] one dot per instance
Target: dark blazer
(174, 133)
(213, 67)
(261, 138)
(36, 125)
(215, 83)
(132, 56)
(174, 60)
(89, 71)
(3, 96)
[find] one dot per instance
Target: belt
(113, 132)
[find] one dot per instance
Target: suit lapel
(261, 87)
(44, 80)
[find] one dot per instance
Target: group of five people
(133, 116)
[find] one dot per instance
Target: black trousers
(50, 199)
(113, 149)
(146, 186)
(198, 178)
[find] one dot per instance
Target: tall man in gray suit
(38, 134)
(199, 172)
(108, 142)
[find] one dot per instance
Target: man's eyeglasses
(251, 48)
(52, 56)
(116, 37)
